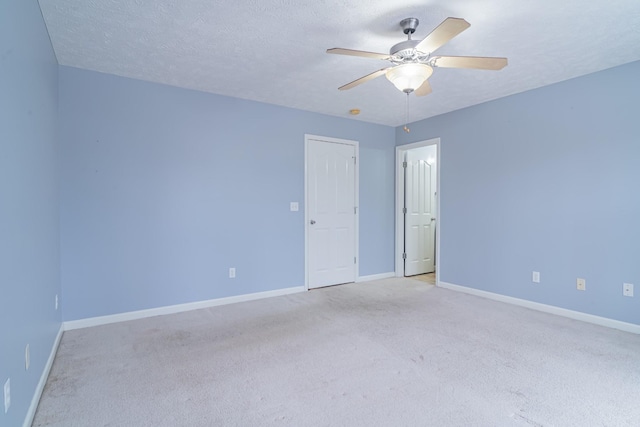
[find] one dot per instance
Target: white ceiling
(273, 51)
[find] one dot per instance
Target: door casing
(399, 247)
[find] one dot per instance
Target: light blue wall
(29, 238)
(546, 180)
(164, 189)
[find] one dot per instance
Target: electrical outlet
(7, 395)
(294, 207)
(627, 289)
(232, 273)
(27, 358)
(581, 284)
(535, 277)
(56, 302)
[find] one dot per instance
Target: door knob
(312, 222)
(433, 219)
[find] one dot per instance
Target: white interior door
(331, 213)
(420, 211)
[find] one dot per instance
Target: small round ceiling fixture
(354, 111)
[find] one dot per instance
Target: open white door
(330, 212)
(420, 210)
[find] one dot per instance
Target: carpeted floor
(394, 352)
(427, 278)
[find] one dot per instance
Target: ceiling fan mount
(411, 58)
(409, 25)
(405, 51)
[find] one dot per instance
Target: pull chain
(406, 115)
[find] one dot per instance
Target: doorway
(418, 209)
(331, 211)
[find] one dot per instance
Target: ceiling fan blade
(364, 79)
(477, 62)
(351, 52)
(448, 29)
(423, 90)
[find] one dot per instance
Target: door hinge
(354, 260)
(404, 255)
(404, 210)
(354, 160)
(355, 210)
(404, 165)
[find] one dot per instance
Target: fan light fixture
(409, 77)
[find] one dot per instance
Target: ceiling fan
(413, 60)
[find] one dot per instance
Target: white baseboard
(28, 420)
(178, 308)
(576, 315)
(375, 277)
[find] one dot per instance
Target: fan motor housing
(404, 49)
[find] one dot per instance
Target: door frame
(356, 193)
(400, 152)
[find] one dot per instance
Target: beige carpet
(427, 278)
(394, 352)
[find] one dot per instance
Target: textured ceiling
(273, 51)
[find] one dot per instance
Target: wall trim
(571, 314)
(375, 277)
(178, 308)
(28, 420)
